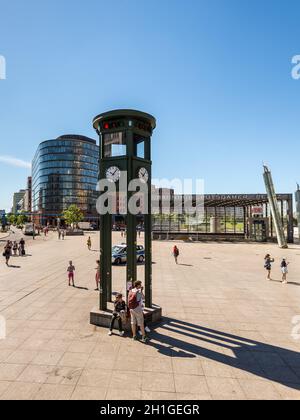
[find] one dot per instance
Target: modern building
(297, 198)
(21, 204)
(28, 196)
(64, 172)
(17, 199)
(24, 205)
(2, 218)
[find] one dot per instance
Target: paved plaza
(226, 332)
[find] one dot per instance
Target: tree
(12, 219)
(73, 215)
(21, 219)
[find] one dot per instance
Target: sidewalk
(4, 235)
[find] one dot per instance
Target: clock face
(143, 175)
(113, 174)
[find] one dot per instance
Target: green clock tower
(125, 163)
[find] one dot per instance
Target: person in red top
(176, 253)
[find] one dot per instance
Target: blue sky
(215, 73)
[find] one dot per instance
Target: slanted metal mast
(274, 208)
(297, 196)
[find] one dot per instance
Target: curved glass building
(65, 172)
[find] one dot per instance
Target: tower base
(103, 318)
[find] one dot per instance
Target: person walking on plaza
(118, 314)
(139, 230)
(89, 243)
(71, 273)
(268, 265)
(176, 253)
(59, 234)
(135, 305)
(63, 234)
(15, 248)
(9, 245)
(22, 247)
(284, 269)
(7, 253)
(97, 275)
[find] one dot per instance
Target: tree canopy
(73, 215)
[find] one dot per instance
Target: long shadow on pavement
(262, 360)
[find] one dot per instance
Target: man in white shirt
(135, 304)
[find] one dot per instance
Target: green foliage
(21, 219)
(12, 219)
(73, 215)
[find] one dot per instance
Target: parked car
(85, 226)
(119, 254)
(29, 229)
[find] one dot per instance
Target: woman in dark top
(119, 311)
(22, 247)
(7, 252)
(268, 265)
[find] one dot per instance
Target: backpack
(132, 300)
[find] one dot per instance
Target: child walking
(71, 271)
(284, 270)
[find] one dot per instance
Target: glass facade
(65, 172)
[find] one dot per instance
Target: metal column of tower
(297, 196)
(274, 208)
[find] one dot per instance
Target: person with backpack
(176, 253)
(119, 312)
(135, 304)
(268, 265)
(284, 269)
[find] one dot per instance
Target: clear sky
(215, 73)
